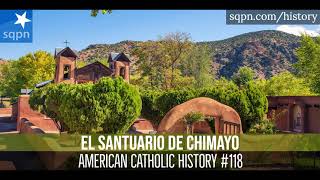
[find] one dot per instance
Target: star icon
(22, 19)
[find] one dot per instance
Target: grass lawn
(307, 162)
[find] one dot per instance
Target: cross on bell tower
(66, 42)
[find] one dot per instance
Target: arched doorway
(226, 119)
(297, 118)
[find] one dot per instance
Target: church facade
(66, 70)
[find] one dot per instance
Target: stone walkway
(6, 124)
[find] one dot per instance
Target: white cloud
(297, 30)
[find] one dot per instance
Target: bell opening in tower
(122, 72)
(66, 72)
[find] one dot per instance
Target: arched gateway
(227, 120)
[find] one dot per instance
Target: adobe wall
(32, 122)
(198, 127)
(281, 118)
(61, 61)
(313, 124)
(28, 127)
(118, 65)
(14, 113)
(6, 111)
(52, 160)
(37, 119)
(143, 126)
(227, 120)
(310, 112)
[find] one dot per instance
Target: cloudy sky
(52, 28)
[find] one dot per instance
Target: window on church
(66, 72)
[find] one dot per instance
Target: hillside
(101, 51)
(2, 61)
(267, 52)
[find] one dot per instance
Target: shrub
(55, 96)
(111, 105)
(264, 126)
(37, 99)
(248, 101)
(257, 103)
(149, 106)
(79, 109)
(231, 96)
(192, 118)
(120, 102)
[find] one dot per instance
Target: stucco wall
(120, 64)
(227, 120)
(313, 125)
(36, 118)
(6, 111)
(52, 160)
(60, 63)
(310, 112)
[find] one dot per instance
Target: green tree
(27, 71)
(286, 84)
(7, 78)
(308, 64)
(177, 46)
(191, 118)
(80, 64)
(198, 65)
(95, 12)
(149, 64)
(120, 104)
(250, 102)
(243, 76)
(110, 106)
(257, 103)
(160, 60)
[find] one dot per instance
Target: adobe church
(66, 70)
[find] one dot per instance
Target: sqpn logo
(16, 26)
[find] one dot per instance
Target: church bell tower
(65, 65)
